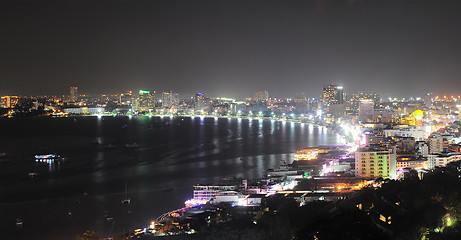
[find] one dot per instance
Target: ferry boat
(18, 222)
(46, 156)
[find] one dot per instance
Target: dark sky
(230, 47)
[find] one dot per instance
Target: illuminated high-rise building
(9, 101)
(352, 105)
(146, 99)
(169, 99)
(333, 94)
(201, 102)
(459, 112)
(261, 96)
(435, 144)
(366, 110)
(301, 105)
(126, 98)
(375, 161)
(73, 94)
(314, 104)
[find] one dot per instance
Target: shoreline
(299, 121)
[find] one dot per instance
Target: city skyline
(252, 95)
(242, 119)
(403, 47)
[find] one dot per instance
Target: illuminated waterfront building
(208, 192)
(314, 105)
(73, 94)
(126, 98)
(146, 100)
(333, 100)
(306, 154)
(84, 110)
(201, 102)
(261, 96)
(375, 161)
(169, 99)
(301, 105)
(9, 101)
(333, 94)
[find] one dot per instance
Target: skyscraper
(73, 94)
(146, 99)
(352, 103)
(169, 99)
(333, 94)
(366, 110)
(201, 103)
(333, 100)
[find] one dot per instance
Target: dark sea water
(72, 195)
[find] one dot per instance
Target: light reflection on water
(173, 153)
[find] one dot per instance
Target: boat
(18, 222)
(46, 156)
(33, 174)
(126, 200)
(131, 145)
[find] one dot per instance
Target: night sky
(230, 47)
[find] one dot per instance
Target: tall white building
(435, 144)
(366, 110)
(422, 148)
(73, 94)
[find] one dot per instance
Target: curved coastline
(299, 121)
(258, 118)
